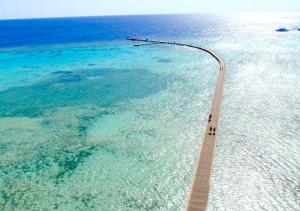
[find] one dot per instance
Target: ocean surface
(90, 122)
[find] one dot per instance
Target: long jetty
(199, 192)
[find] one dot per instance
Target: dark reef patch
(29, 112)
(63, 150)
(68, 78)
(164, 60)
(70, 160)
(30, 67)
(73, 88)
(66, 160)
(282, 30)
(61, 72)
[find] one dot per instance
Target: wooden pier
(199, 193)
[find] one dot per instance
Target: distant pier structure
(199, 192)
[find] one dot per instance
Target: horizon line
(147, 14)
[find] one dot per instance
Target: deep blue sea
(90, 122)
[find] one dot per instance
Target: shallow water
(100, 124)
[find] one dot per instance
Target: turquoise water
(103, 125)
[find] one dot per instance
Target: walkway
(201, 183)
